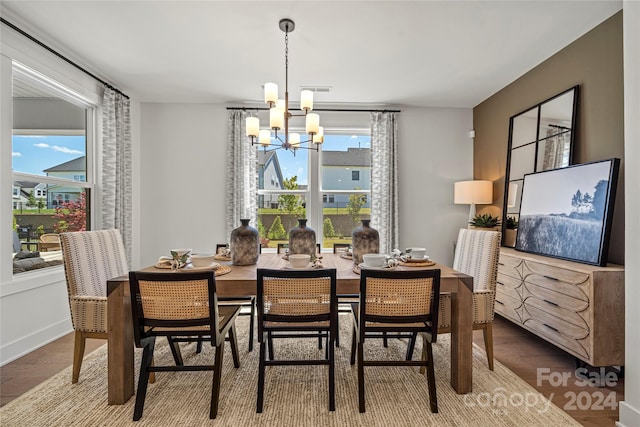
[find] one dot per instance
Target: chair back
(169, 304)
(404, 296)
(90, 259)
(296, 296)
(50, 238)
(476, 254)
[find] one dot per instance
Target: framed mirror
(540, 138)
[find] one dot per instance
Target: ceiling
(386, 53)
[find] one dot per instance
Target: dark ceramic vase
(245, 244)
(302, 239)
(365, 240)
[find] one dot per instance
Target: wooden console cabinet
(577, 307)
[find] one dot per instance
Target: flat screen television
(567, 213)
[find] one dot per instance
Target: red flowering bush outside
(72, 215)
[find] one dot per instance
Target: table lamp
(472, 193)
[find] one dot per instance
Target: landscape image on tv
(566, 213)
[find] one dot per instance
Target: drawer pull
(551, 327)
(550, 278)
(550, 302)
(499, 302)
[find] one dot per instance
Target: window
(333, 204)
(50, 145)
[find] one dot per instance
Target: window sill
(32, 280)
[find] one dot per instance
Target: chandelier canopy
(279, 113)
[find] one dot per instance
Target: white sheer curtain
(384, 179)
(242, 179)
(116, 166)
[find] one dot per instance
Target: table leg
(120, 344)
(462, 339)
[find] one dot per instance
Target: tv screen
(567, 212)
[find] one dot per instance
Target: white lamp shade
(294, 139)
(253, 126)
(306, 100)
(265, 137)
(270, 92)
(276, 118)
(280, 105)
(318, 138)
(473, 192)
(312, 123)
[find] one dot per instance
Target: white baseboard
(629, 416)
(25, 345)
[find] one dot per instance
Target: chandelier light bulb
(306, 100)
(265, 137)
(270, 93)
(253, 126)
(318, 138)
(312, 123)
(276, 118)
(294, 139)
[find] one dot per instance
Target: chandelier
(279, 113)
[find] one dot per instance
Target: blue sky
(297, 165)
(35, 153)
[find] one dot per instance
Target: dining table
(241, 281)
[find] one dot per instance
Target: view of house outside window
(50, 191)
(340, 195)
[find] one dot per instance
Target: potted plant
(511, 227)
(485, 221)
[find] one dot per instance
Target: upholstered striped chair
(90, 259)
(476, 254)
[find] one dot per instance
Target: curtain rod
(39, 43)
(321, 109)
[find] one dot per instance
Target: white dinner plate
(423, 259)
(211, 266)
(366, 267)
(308, 267)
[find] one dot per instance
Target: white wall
(184, 164)
(630, 407)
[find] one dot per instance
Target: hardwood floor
(517, 349)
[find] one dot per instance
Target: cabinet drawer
(510, 286)
(555, 311)
(555, 298)
(509, 307)
(557, 337)
(510, 266)
(552, 322)
(539, 283)
(554, 273)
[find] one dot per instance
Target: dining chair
(184, 308)
(49, 242)
(476, 254)
(403, 302)
(90, 258)
(296, 304)
(248, 304)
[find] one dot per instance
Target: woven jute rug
(294, 395)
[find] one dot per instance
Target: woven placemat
(220, 270)
(418, 264)
(220, 257)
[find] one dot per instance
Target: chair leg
(332, 373)
(360, 377)
(78, 355)
(261, 369)
(384, 340)
(487, 331)
(233, 341)
(175, 351)
(217, 375)
(353, 346)
(270, 340)
(198, 346)
(411, 346)
(143, 379)
(251, 325)
(431, 376)
(338, 334)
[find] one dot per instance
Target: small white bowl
(418, 253)
(201, 260)
(374, 260)
(299, 260)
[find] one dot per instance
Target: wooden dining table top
(241, 280)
